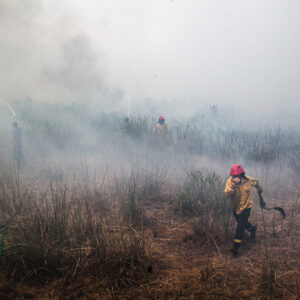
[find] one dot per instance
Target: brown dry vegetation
(143, 233)
(161, 252)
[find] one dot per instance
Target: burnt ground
(184, 265)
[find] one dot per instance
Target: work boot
(235, 248)
(253, 232)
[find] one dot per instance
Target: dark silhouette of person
(17, 148)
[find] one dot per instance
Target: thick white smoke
(182, 56)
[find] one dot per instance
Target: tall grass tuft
(64, 232)
(202, 196)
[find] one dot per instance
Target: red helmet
(161, 118)
(237, 170)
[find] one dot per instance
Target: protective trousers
(242, 224)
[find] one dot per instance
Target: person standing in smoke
(126, 127)
(161, 133)
(17, 144)
(160, 126)
(238, 189)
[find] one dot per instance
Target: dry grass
(146, 233)
(76, 240)
(64, 233)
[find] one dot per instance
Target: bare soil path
(191, 267)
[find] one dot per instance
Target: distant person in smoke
(126, 126)
(160, 126)
(17, 148)
(126, 120)
(238, 188)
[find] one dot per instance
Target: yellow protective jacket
(240, 194)
(160, 129)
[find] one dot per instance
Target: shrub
(202, 196)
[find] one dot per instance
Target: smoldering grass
(67, 126)
(152, 181)
(137, 190)
(64, 233)
(130, 199)
(202, 196)
(77, 230)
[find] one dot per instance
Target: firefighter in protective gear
(238, 188)
(160, 126)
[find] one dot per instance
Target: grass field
(100, 210)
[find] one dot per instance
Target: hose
(263, 206)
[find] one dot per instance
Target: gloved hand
(235, 181)
(262, 203)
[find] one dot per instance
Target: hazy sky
(246, 52)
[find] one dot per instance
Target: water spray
(9, 107)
